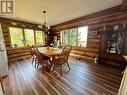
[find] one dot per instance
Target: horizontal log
(58, 32)
(83, 49)
(90, 54)
(93, 37)
(7, 41)
(82, 57)
(95, 21)
(18, 55)
(16, 52)
(6, 36)
(97, 46)
(7, 45)
(93, 41)
(19, 58)
(100, 14)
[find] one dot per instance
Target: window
(73, 33)
(16, 37)
(82, 36)
(29, 36)
(20, 37)
(39, 35)
(75, 36)
(65, 36)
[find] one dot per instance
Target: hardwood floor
(83, 79)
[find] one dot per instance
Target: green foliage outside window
(73, 33)
(16, 37)
(20, 38)
(65, 36)
(39, 37)
(29, 36)
(75, 36)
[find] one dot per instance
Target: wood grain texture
(19, 53)
(15, 54)
(102, 21)
(124, 5)
(93, 16)
(85, 78)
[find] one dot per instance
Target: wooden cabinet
(112, 59)
(111, 50)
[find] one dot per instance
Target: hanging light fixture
(45, 27)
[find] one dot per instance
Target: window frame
(77, 42)
(43, 37)
(33, 35)
(23, 33)
(10, 36)
(69, 39)
(78, 37)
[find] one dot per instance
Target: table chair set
(50, 58)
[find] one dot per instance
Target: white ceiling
(59, 11)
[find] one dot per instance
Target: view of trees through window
(39, 37)
(75, 36)
(65, 36)
(82, 36)
(21, 37)
(29, 36)
(73, 33)
(16, 37)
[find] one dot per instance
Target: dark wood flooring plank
(84, 78)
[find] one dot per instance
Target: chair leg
(52, 65)
(36, 63)
(32, 60)
(61, 71)
(68, 66)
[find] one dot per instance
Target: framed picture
(93, 33)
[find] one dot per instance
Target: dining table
(52, 53)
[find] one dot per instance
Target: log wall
(100, 21)
(15, 54)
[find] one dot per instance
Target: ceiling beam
(124, 5)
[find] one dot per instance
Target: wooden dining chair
(62, 59)
(32, 54)
(42, 59)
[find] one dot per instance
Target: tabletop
(50, 51)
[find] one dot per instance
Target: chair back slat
(67, 48)
(40, 56)
(65, 53)
(30, 49)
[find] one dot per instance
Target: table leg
(53, 64)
